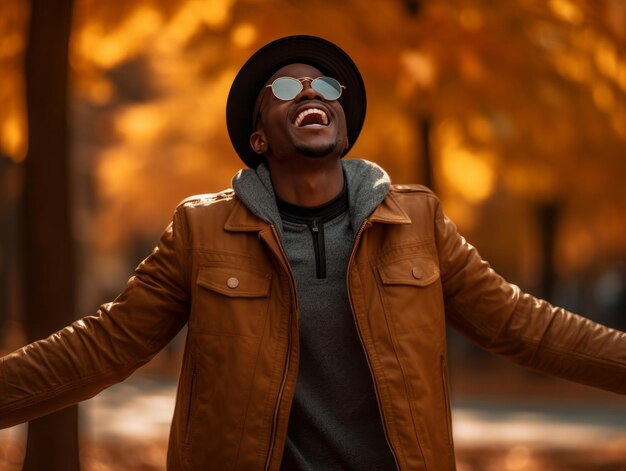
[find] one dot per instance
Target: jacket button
(232, 282)
(416, 273)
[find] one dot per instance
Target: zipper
(287, 358)
(446, 398)
(319, 247)
(192, 389)
(357, 239)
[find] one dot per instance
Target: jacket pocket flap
(235, 282)
(413, 271)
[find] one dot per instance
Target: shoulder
(418, 202)
(207, 199)
(411, 188)
(412, 192)
(214, 205)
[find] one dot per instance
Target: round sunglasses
(287, 88)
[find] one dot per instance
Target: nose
(308, 93)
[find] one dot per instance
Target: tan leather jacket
(223, 271)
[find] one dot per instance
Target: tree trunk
(548, 214)
(48, 248)
(424, 123)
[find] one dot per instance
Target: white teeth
(309, 111)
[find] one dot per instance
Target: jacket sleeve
(529, 331)
(80, 360)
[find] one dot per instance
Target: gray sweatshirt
(334, 422)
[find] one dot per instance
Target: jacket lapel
(241, 219)
(390, 212)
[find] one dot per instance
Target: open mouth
(311, 117)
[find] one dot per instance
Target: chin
(316, 151)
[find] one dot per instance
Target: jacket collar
(241, 219)
(390, 212)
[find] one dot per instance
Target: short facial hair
(307, 151)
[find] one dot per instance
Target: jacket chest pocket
(230, 301)
(411, 293)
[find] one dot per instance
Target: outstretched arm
(80, 360)
(529, 331)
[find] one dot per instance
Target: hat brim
(254, 74)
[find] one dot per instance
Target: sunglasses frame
(301, 82)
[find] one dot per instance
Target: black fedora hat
(253, 75)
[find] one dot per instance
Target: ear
(258, 142)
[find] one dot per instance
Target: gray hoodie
(334, 422)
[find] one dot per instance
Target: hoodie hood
(367, 183)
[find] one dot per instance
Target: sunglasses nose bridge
(307, 90)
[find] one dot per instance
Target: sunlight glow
(110, 48)
(13, 34)
(567, 10)
(573, 66)
(193, 16)
(213, 13)
(244, 35)
(518, 458)
(606, 58)
(468, 172)
(115, 168)
(141, 123)
(11, 45)
(420, 72)
(13, 137)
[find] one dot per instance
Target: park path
(139, 410)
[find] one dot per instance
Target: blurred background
(513, 112)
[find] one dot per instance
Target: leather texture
(223, 272)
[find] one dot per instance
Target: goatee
(311, 151)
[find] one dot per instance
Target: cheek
(343, 127)
(277, 118)
(272, 127)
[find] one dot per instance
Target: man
(316, 295)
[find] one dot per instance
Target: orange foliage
(528, 101)
(13, 136)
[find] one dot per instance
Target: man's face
(307, 126)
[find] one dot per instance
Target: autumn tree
(48, 249)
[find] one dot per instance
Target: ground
(541, 426)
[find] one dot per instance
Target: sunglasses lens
(328, 87)
(286, 88)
